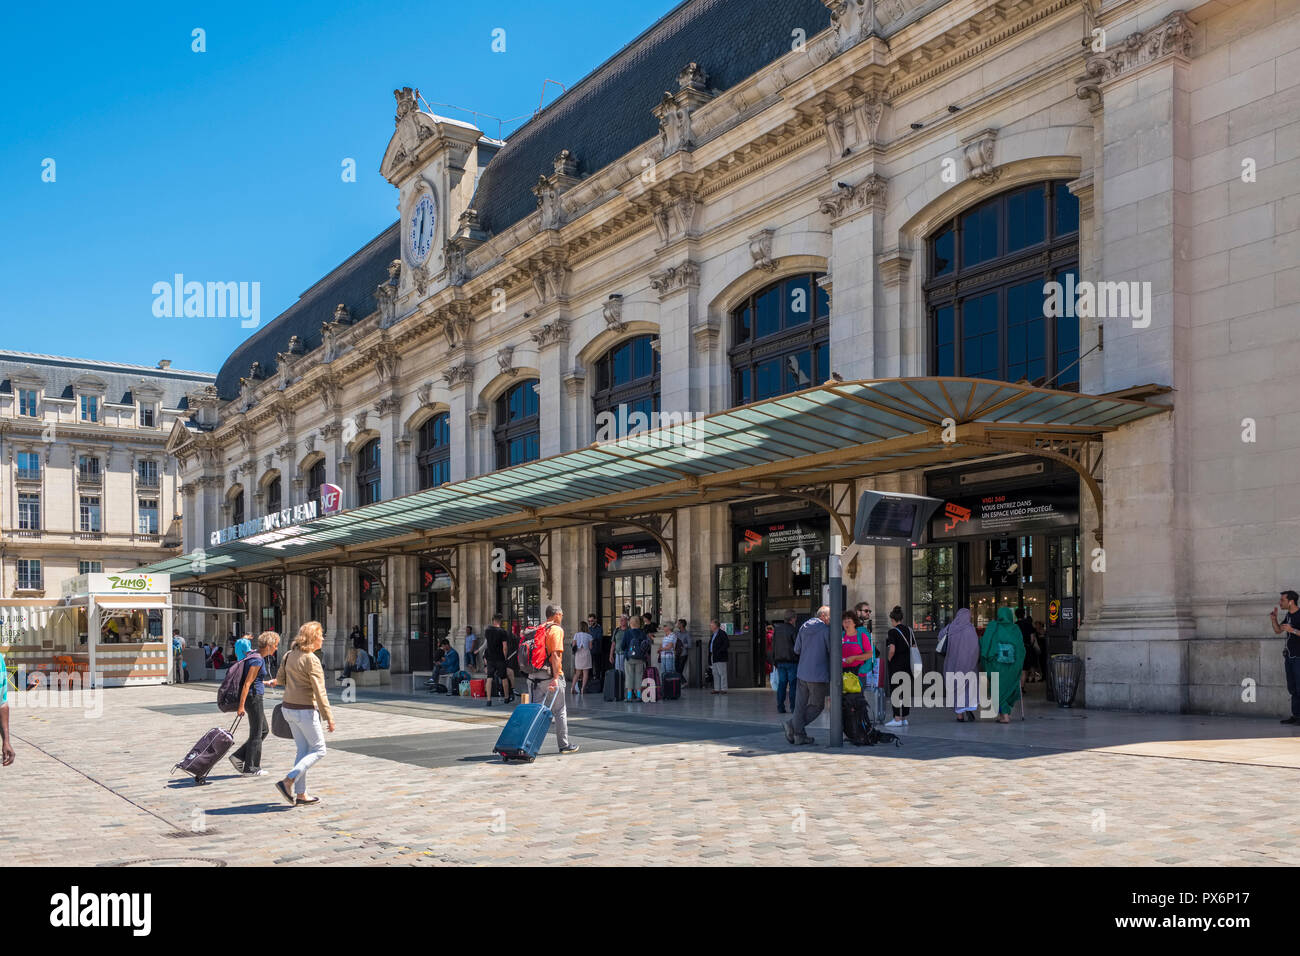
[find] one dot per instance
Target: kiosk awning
(830, 433)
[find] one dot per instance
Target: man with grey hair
(812, 645)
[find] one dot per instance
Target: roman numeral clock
(420, 228)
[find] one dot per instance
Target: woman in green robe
(1002, 652)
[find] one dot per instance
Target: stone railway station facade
(752, 199)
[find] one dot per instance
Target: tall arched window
(986, 291)
(780, 340)
(315, 478)
(368, 490)
(273, 495)
(628, 375)
(237, 508)
(518, 425)
(434, 456)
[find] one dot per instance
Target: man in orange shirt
(555, 665)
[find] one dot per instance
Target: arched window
(628, 375)
(780, 340)
(986, 291)
(273, 495)
(368, 490)
(518, 425)
(434, 457)
(237, 508)
(315, 478)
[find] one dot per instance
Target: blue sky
(225, 165)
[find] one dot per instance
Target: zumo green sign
(128, 584)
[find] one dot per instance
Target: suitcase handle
(238, 718)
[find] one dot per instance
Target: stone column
(1136, 648)
(856, 348)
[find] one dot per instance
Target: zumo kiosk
(885, 519)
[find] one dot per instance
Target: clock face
(419, 238)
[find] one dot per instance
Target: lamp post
(836, 603)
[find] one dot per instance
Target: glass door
(418, 633)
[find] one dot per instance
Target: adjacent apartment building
(87, 483)
(1048, 248)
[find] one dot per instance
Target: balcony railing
(147, 481)
(28, 533)
(90, 477)
(29, 474)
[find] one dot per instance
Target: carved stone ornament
(506, 360)
(331, 430)
(461, 374)
(406, 102)
(385, 405)
(852, 21)
(675, 279)
(868, 111)
(550, 333)
(1172, 36)
(760, 250)
(978, 150)
(675, 216)
(613, 313)
(847, 200)
(386, 293)
(342, 315)
(674, 110)
(550, 281)
(424, 394)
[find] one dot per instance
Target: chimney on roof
(164, 363)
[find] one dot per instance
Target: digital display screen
(891, 518)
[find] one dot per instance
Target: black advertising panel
(615, 555)
(892, 519)
(759, 542)
(1025, 511)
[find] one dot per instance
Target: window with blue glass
(627, 380)
(779, 340)
(434, 456)
(369, 488)
(518, 425)
(988, 271)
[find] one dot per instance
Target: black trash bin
(1066, 671)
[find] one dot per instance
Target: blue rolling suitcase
(524, 733)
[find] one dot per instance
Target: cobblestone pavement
(413, 782)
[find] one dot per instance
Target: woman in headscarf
(960, 664)
(1002, 652)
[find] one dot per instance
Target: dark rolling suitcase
(614, 684)
(525, 731)
(672, 687)
(212, 746)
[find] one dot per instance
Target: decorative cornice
(675, 279)
(460, 374)
(1171, 37)
(849, 200)
(573, 380)
(551, 333)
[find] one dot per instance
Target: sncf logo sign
(331, 499)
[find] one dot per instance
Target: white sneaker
(894, 723)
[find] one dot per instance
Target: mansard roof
(610, 111)
(352, 283)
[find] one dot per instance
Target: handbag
(280, 726)
(850, 684)
(942, 646)
(913, 653)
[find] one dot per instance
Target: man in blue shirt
(449, 664)
(382, 657)
(6, 748)
(242, 647)
(812, 644)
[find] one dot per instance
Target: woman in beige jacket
(303, 706)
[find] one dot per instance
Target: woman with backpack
(898, 659)
(303, 706)
(248, 758)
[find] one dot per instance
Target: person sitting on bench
(450, 664)
(357, 660)
(382, 658)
